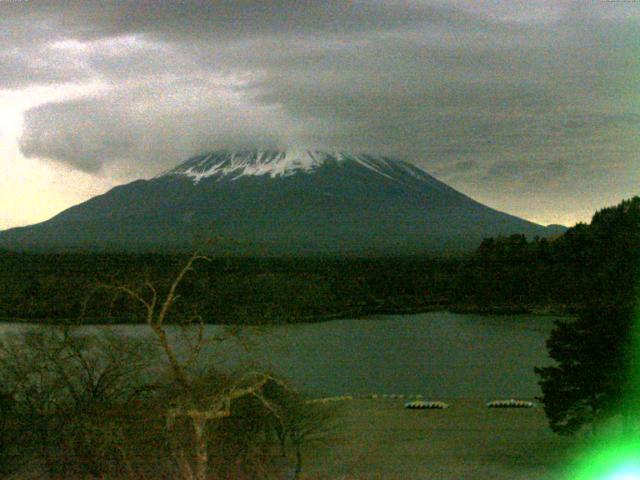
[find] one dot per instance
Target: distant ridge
(294, 202)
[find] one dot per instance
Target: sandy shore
(379, 439)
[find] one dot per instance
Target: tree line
(54, 287)
(504, 274)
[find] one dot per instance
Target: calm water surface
(435, 354)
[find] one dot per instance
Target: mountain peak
(280, 202)
(273, 163)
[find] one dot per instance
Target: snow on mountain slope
(233, 165)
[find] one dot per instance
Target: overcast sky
(531, 107)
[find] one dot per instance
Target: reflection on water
(436, 354)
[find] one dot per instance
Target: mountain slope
(279, 203)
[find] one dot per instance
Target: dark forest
(589, 263)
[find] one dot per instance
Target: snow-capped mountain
(279, 202)
(235, 165)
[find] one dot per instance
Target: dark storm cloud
(228, 19)
(505, 90)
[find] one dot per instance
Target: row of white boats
(436, 405)
(416, 402)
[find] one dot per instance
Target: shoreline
(563, 311)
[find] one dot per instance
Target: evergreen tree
(594, 359)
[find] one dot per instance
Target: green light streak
(615, 460)
(616, 456)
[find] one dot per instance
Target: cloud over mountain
(447, 85)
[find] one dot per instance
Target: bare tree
(94, 403)
(194, 398)
(69, 390)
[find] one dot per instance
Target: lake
(436, 354)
